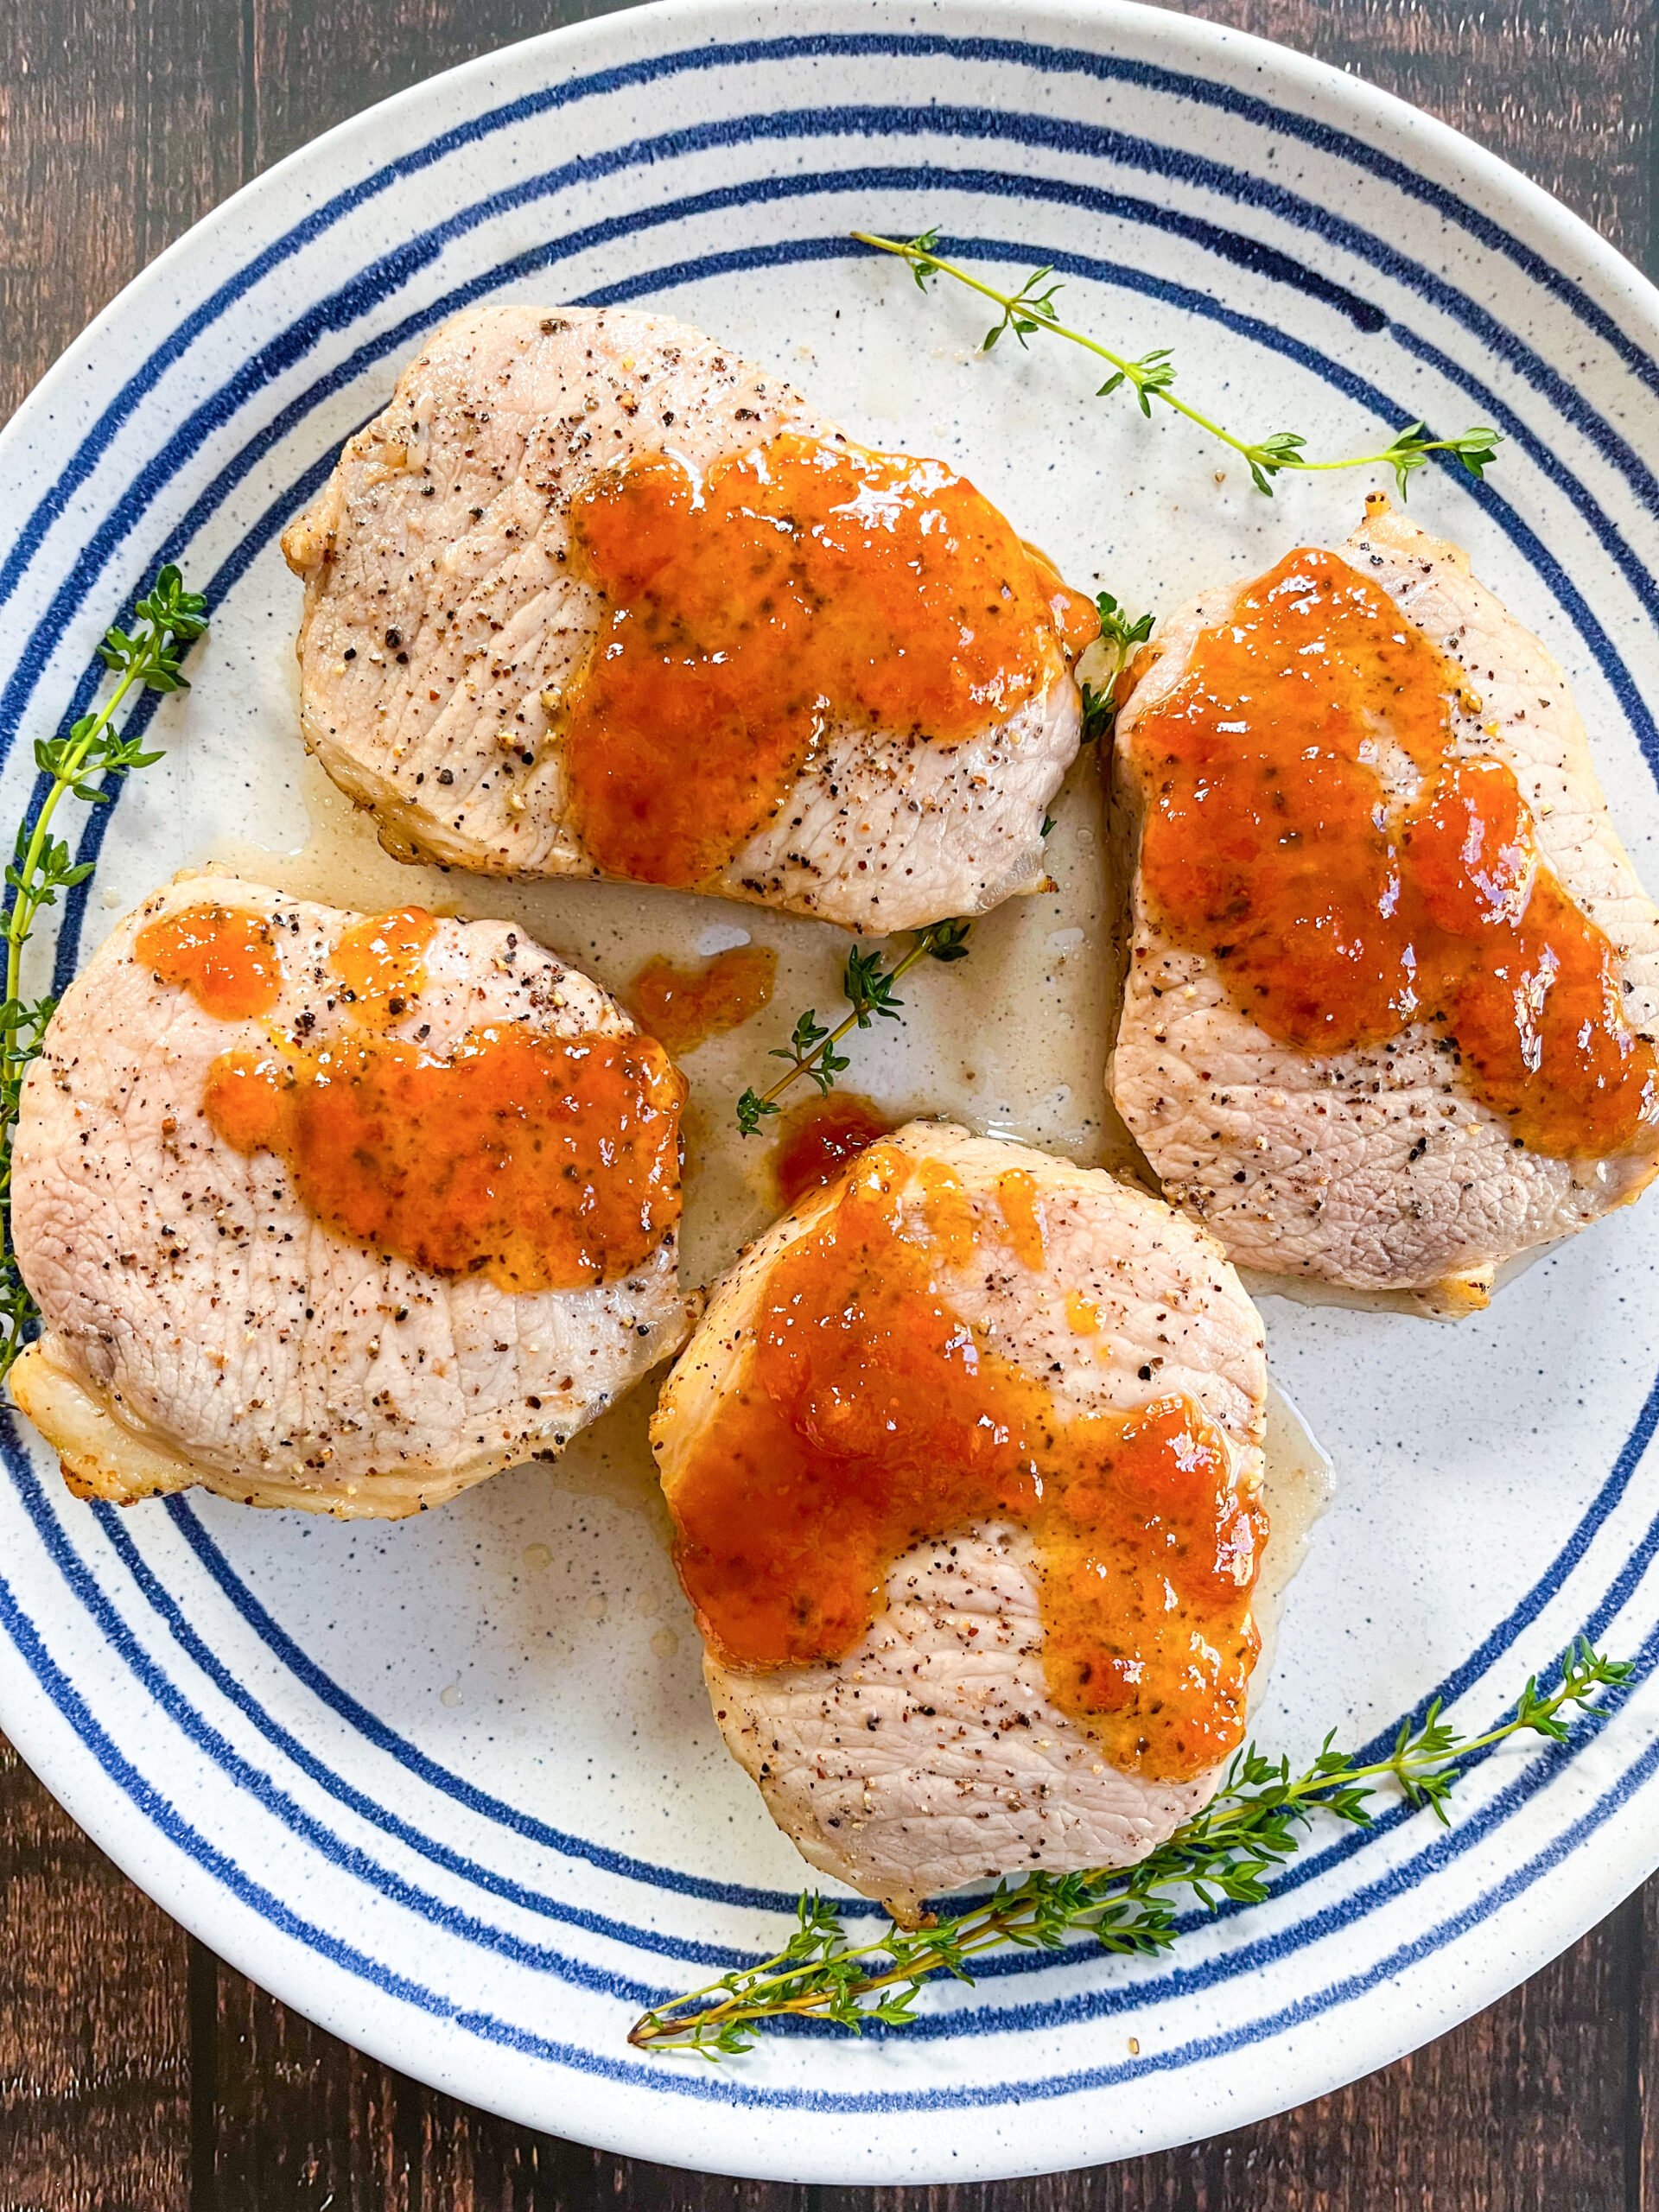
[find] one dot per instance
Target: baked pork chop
(596, 597)
(964, 1460)
(336, 1211)
(1393, 984)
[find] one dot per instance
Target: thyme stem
(1152, 376)
(1227, 1852)
(80, 764)
(869, 989)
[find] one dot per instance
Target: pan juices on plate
(965, 1465)
(1393, 985)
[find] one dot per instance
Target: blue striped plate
(452, 1788)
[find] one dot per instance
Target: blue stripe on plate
(687, 272)
(1280, 120)
(1047, 59)
(724, 2088)
(340, 309)
(757, 192)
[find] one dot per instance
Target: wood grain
(119, 127)
(136, 2070)
(94, 2040)
(1564, 92)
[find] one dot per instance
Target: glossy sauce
(819, 1138)
(548, 1164)
(795, 586)
(1309, 827)
(225, 956)
(1022, 1219)
(382, 963)
(873, 1418)
(683, 1007)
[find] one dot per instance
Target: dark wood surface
(135, 2069)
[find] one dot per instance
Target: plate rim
(1567, 233)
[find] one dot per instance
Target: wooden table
(137, 2070)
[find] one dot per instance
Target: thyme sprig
(82, 762)
(1151, 377)
(1227, 1853)
(868, 986)
(1119, 636)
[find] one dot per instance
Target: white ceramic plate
(452, 1788)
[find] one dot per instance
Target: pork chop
(1460, 1131)
(939, 1748)
(452, 621)
(309, 1206)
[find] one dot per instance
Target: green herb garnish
(868, 987)
(80, 764)
(1152, 376)
(1120, 636)
(1227, 1853)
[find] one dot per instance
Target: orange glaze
(1272, 844)
(1016, 1193)
(382, 962)
(870, 1416)
(818, 1139)
(797, 585)
(225, 956)
(683, 1007)
(548, 1163)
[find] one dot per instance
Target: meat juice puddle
(1033, 1073)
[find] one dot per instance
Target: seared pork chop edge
(933, 1755)
(1375, 1176)
(443, 624)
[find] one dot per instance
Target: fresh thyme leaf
(1228, 1853)
(1119, 635)
(1099, 712)
(868, 986)
(1117, 629)
(809, 1032)
(945, 941)
(924, 242)
(829, 1064)
(752, 1109)
(1153, 376)
(1475, 449)
(867, 989)
(1153, 373)
(78, 763)
(1025, 312)
(1283, 449)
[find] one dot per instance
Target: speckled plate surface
(452, 1787)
